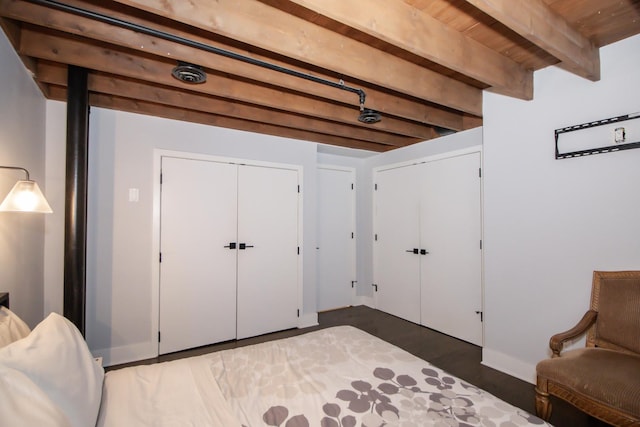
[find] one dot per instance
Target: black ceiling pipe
(75, 234)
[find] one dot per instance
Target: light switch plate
(134, 194)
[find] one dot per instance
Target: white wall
(22, 144)
(120, 258)
(56, 133)
(549, 223)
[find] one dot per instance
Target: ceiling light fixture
(189, 73)
(366, 116)
(369, 116)
(25, 196)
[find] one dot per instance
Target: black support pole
(75, 236)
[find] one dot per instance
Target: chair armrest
(557, 341)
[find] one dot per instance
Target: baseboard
(364, 300)
(509, 365)
(132, 353)
(128, 353)
(307, 320)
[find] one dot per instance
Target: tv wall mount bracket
(618, 135)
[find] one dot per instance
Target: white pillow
(56, 358)
(24, 404)
(12, 328)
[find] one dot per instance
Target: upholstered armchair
(602, 379)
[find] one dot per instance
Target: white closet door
(451, 233)
(396, 267)
(336, 241)
(268, 267)
(197, 274)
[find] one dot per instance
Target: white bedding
(178, 393)
(340, 377)
(49, 378)
(12, 328)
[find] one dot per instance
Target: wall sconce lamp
(25, 196)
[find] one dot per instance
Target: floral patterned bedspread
(344, 377)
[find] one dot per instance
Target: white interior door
(197, 274)
(396, 266)
(451, 233)
(268, 266)
(335, 238)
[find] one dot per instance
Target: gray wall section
(22, 144)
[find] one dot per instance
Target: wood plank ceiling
(301, 68)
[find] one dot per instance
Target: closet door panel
(336, 244)
(396, 267)
(268, 267)
(197, 274)
(451, 233)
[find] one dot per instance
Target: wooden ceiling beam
(151, 109)
(536, 22)
(93, 29)
(410, 29)
(13, 32)
(263, 26)
(56, 74)
(385, 103)
(134, 106)
(114, 60)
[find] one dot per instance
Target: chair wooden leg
(543, 405)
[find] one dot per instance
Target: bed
(335, 377)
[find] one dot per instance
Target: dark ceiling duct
(443, 131)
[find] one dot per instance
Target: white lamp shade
(25, 196)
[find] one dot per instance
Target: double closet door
(229, 252)
(427, 245)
